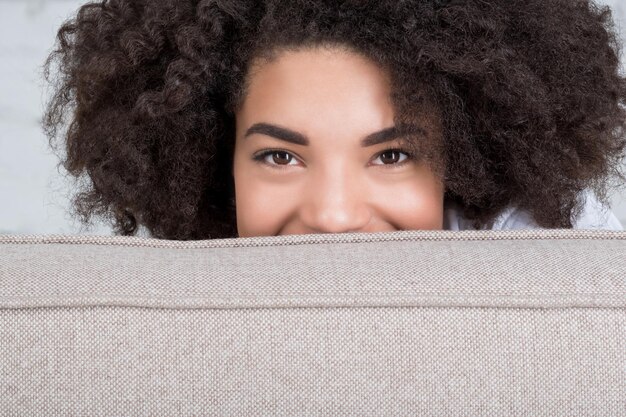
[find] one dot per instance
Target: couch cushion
(523, 322)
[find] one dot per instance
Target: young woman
(202, 119)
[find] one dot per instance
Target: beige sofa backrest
(428, 323)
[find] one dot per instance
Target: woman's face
(314, 111)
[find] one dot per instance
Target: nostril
(339, 221)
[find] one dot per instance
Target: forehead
(330, 84)
(328, 52)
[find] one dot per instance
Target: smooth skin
(333, 99)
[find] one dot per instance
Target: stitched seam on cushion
(184, 302)
(289, 240)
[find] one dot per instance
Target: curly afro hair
(529, 92)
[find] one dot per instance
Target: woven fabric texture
(480, 323)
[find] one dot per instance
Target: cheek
(416, 203)
(260, 205)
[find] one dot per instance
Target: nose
(336, 203)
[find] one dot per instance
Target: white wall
(33, 193)
(35, 197)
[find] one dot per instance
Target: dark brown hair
(529, 93)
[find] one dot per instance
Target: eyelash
(259, 158)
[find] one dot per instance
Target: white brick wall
(35, 197)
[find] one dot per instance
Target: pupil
(388, 153)
(280, 153)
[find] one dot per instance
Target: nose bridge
(336, 201)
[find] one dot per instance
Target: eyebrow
(287, 135)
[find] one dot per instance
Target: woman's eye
(279, 158)
(391, 157)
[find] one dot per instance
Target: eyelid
(261, 155)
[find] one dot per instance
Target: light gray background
(35, 196)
